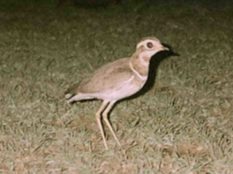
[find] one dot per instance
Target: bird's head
(148, 47)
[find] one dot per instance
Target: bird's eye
(149, 45)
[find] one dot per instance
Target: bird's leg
(98, 118)
(105, 117)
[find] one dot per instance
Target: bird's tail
(71, 92)
(69, 95)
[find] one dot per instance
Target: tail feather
(69, 95)
(71, 92)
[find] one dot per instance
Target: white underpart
(135, 72)
(120, 91)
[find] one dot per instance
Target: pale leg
(105, 117)
(98, 118)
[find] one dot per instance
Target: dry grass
(182, 125)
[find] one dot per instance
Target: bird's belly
(121, 91)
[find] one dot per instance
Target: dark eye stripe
(149, 45)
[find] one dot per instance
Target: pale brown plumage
(117, 80)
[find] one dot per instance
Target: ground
(183, 124)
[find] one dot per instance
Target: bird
(115, 81)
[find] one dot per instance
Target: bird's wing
(109, 76)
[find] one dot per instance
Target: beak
(165, 48)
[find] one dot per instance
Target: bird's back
(107, 77)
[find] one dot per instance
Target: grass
(182, 125)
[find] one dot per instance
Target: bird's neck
(140, 63)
